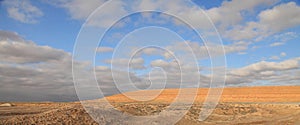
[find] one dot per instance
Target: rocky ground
(238, 106)
(225, 113)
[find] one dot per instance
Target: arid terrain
(240, 106)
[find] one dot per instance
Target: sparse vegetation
(234, 112)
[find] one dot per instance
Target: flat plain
(237, 106)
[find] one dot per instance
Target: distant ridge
(281, 94)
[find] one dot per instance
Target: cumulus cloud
(277, 44)
(232, 9)
(281, 17)
(14, 49)
(123, 63)
(13, 36)
(151, 51)
(267, 66)
(23, 11)
(274, 58)
(270, 21)
(176, 74)
(281, 73)
(31, 72)
(283, 38)
(80, 10)
(201, 51)
(109, 79)
(233, 26)
(282, 54)
(163, 64)
(51, 80)
(109, 15)
(28, 52)
(105, 49)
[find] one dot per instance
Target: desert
(149, 62)
(237, 106)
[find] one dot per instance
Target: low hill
(272, 94)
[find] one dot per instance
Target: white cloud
(151, 51)
(33, 72)
(274, 58)
(233, 11)
(30, 72)
(274, 73)
(77, 9)
(10, 36)
(109, 15)
(267, 73)
(164, 64)
(266, 66)
(105, 49)
(48, 72)
(23, 11)
(25, 52)
(109, 78)
(271, 21)
(281, 17)
(277, 44)
(28, 52)
(124, 63)
(283, 54)
(80, 10)
(176, 73)
(201, 51)
(44, 80)
(284, 37)
(159, 63)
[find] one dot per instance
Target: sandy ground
(240, 106)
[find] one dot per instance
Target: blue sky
(260, 44)
(61, 30)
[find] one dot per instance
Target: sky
(63, 50)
